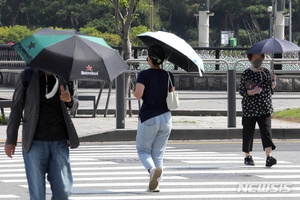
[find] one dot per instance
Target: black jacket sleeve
(18, 103)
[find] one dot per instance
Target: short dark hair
(249, 56)
(156, 54)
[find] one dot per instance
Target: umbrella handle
(167, 59)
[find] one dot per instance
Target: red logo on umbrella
(89, 68)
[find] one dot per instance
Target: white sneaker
(155, 173)
(155, 190)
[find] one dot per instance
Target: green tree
(44, 13)
(104, 24)
(136, 31)
(178, 16)
(143, 15)
(125, 11)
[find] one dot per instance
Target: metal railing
(120, 111)
(230, 54)
(231, 87)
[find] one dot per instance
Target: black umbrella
(273, 45)
(71, 55)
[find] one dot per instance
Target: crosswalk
(113, 171)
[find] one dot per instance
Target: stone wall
(209, 82)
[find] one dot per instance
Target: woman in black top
(257, 87)
(155, 120)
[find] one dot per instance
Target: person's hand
(274, 79)
(65, 95)
(256, 90)
(10, 149)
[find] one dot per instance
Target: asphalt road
(193, 170)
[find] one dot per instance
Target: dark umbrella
(71, 55)
(273, 45)
(177, 50)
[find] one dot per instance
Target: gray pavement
(211, 169)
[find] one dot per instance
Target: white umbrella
(177, 50)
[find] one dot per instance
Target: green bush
(3, 120)
(18, 33)
(14, 34)
(110, 38)
(134, 31)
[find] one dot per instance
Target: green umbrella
(71, 55)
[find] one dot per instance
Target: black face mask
(257, 63)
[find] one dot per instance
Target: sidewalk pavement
(184, 128)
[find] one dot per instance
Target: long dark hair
(156, 54)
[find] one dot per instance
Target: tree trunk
(26, 18)
(21, 20)
(13, 15)
(126, 44)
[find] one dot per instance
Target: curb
(187, 134)
(190, 134)
(174, 112)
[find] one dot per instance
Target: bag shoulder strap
(169, 81)
(27, 77)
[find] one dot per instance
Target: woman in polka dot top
(257, 87)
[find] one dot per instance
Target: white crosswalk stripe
(115, 172)
(9, 196)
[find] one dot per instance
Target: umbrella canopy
(71, 55)
(177, 50)
(273, 45)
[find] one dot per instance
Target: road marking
(104, 146)
(226, 161)
(91, 152)
(14, 165)
(166, 167)
(230, 142)
(135, 155)
(207, 158)
(109, 147)
(8, 196)
(142, 184)
(165, 190)
(278, 176)
(194, 153)
(78, 157)
(72, 159)
(216, 196)
(74, 163)
(233, 171)
(175, 150)
(102, 179)
(94, 163)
